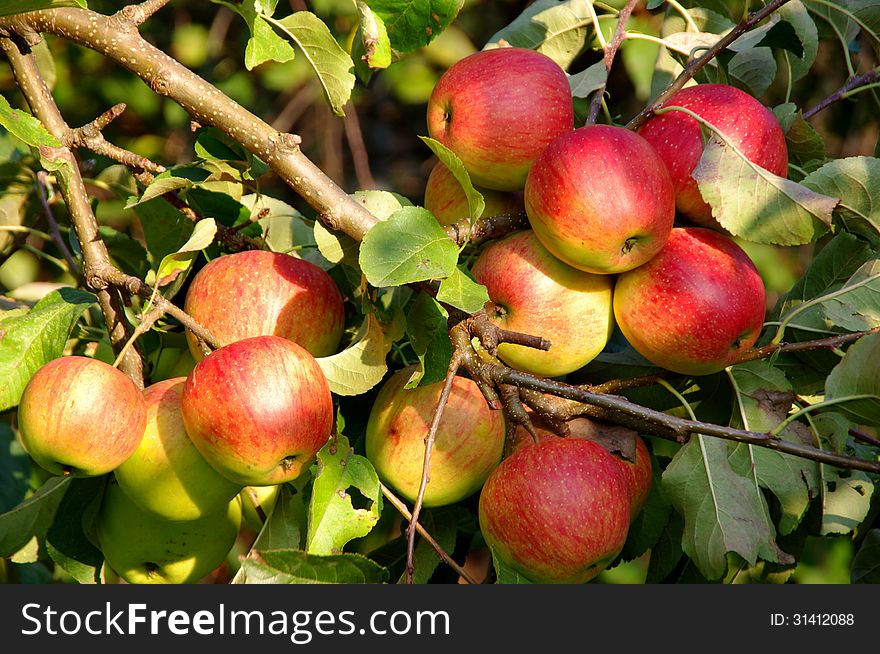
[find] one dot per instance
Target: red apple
(258, 410)
(557, 511)
(696, 307)
(260, 293)
(445, 198)
(744, 120)
(497, 110)
(535, 293)
(80, 416)
(600, 199)
(467, 447)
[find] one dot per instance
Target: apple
(260, 293)
(166, 476)
(696, 307)
(81, 417)
(557, 511)
(467, 447)
(497, 110)
(744, 120)
(258, 410)
(601, 199)
(144, 549)
(535, 293)
(254, 497)
(445, 198)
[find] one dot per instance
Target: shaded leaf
(180, 262)
(32, 517)
(845, 502)
(442, 524)
(795, 14)
(856, 307)
(15, 469)
(362, 365)
(428, 332)
(165, 228)
(67, 542)
(856, 374)
(755, 69)
(461, 291)
(297, 567)
(476, 202)
(286, 525)
(648, 528)
(412, 24)
(866, 564)
(504, 574)
(856, 181)
(285, 229)
(589, 80)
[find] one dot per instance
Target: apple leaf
(589, 80)
(667, 552)
(795, 14)
(333, 518)
(362, 365)
(289, 566)
(856, 181)
(24, 126)
(32, 517)
(373, 37)
(413, 24)
(181, 177)
(285, 526)
(504, 574)
(265, 45)
(174, 267)
(476, 202)
(855, 306)
(15, 469)
(764, 397)
(165, 228)
(442, 524)
(10, 7)
(461, 291)
(66, 541)
(754, 69)
(846, 500)
(866, 563)
(856, 374)
(556, 29)
(410, 246)
(428, 332)
(285, 229)
(332, 64)
(722, 510)
(29, 341)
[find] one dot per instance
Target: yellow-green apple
(167, 476)
(144, 549)
(257, 503)
(445, 198)
(696, 307)
(535, 293)
(497, 110)
(557, 511)
(744, 120)
(467, 447)
(260, 293)
(258, 410)
(81, 417)
(601, 199)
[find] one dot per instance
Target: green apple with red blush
(446, 199)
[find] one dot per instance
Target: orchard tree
(638, 307)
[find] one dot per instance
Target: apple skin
(696, 307)
(676, 137)
(252, 496)
(81, 417)
(557, 511)
(144, 549)
(166, 476)
(260, 293)
(497, 110)
(601, 199)
(467, 447)
(536, 293)
(445, 198)
(258, 410)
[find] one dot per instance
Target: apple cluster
(190, 454)
(620, 237)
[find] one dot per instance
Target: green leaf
(285, 527)
(265, 45)
(754, 69)
(442, 524)
(32, 517)
(66, 540)
(285, 229)
(857, 305)
(476, 202)
(856, 374)
(856, 181)
(10, 7)
(128, 254)
(16, 185)
(795, 14)
(182, 177)
(805, 145)
(667, 552)
(178, 264)
(24, 126)
(413, 24)
(165, 228)
(30, 341)
(588, 81)
(722, 510)
(373, 37)
(461, 291)
(362, 365)
(428, 332)
(289, 566)
(757, 205)
(558, 29)
(332, 64)
(410, 246)
(866, 564)
(333, 519)
(15, 469)
(504, 574)
(846, 501)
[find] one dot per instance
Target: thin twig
(851, 84)
(42, 183)
(358, 148)
(610, 51)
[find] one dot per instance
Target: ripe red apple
(258, 410)
(497, 110)
(557, 511)
(467, 447)
(79, 416)
(536, 293)
(445, 198)
(600, 199)
(695, 307)
(259, 293)
(166, 476)
(676, 136)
